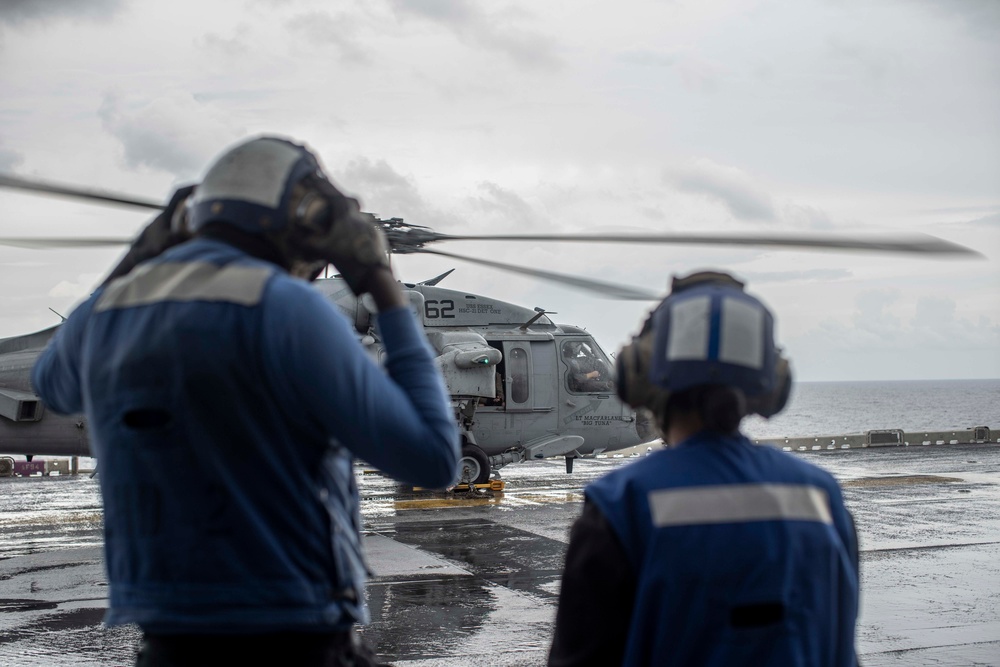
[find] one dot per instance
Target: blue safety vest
(743, 555)
(224, 400)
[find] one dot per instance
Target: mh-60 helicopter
(522, 386)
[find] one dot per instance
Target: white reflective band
(689, 326)
(741, 339)
(196, 281)
(255, 172)
(739, 503)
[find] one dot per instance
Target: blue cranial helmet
(250, 186)
(709, 331)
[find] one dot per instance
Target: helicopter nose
(645, 425)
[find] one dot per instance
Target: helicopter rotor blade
(53, 242)
(19, 183)
(612, 290)
(416, 236)
(906, 243)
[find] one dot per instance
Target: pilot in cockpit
(588, 372)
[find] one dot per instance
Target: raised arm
(400, 422)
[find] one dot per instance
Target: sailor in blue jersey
(226, 399)
(714, 551)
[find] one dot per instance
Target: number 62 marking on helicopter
(445, 311)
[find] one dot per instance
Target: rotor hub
(404, 238)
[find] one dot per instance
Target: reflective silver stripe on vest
(739, 503)
(189, 281)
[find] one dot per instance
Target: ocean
(835, 408)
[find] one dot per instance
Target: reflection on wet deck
(902, 480)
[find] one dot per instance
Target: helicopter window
(588, 368)
(518, 369)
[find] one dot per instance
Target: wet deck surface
(475, 579)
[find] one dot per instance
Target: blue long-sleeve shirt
(224, 400)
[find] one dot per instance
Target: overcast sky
(831, 116)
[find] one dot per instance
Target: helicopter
(522, 386)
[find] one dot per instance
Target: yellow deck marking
(441, 503)
(510, 499)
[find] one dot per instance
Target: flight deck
(473, 577)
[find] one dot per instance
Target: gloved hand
(349, 239)
(165, 231)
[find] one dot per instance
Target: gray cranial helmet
(250, 186)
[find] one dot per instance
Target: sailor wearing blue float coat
(226, 399)
(714, 551)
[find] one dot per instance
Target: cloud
(992, 220)
(174, 133)
(646, 58)
(980, 17)
(445, 11)
(505, 210)
(340, 32)
(9, 158)
(22, 11)
(237, 45)
(854, 54)
(729, 186)
(931, 311)
(935, 324)
(653, 213)
(873, 312)
(495, 31)
(75, 289)
(955, 209)
(385, 192)
(698, 75)
(807, 275)
(799, 215)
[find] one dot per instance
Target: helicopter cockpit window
(588, 368)
(518, 368)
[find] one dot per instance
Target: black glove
(165, 231)
(338, 232)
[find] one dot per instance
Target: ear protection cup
(632, 377)
(316, 207)
(769, 404)
(783, 377)
(311, 212)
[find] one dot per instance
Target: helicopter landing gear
(474, 466)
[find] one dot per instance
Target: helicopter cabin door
(527, 410)
(530, 382)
